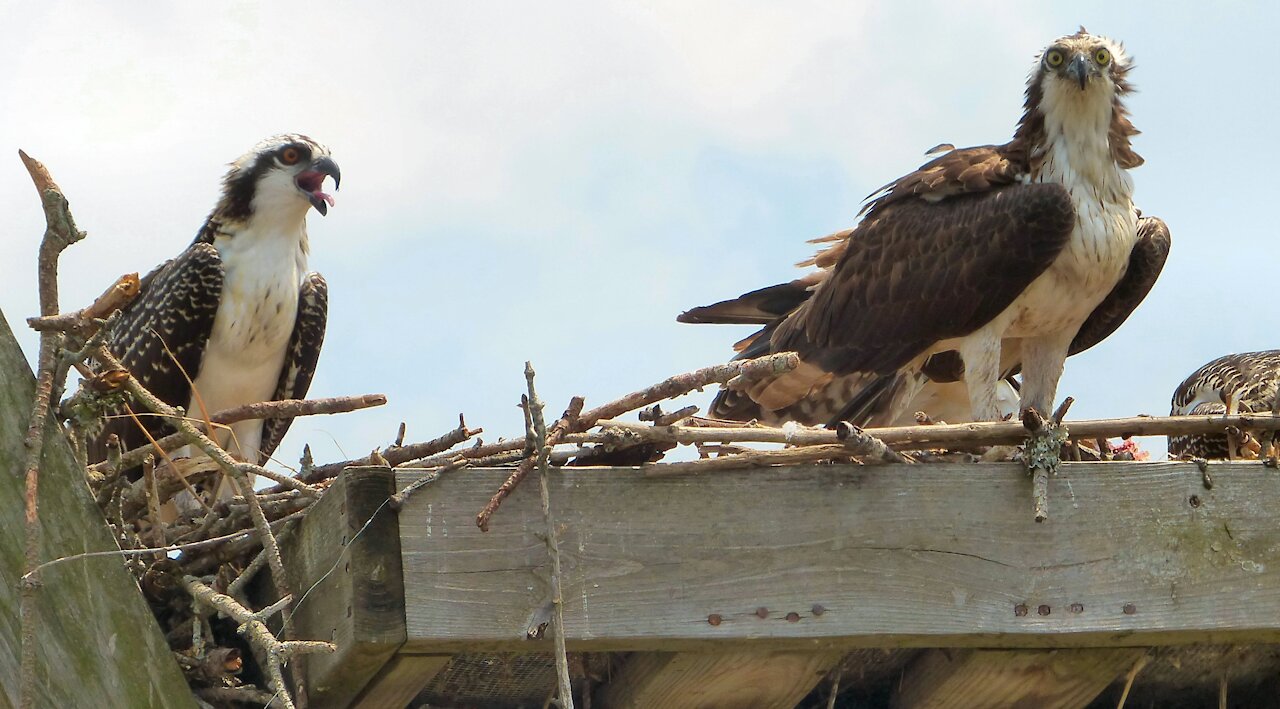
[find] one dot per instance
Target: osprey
(237, 314)
(1233, 384)
(942, 395)
(984, 261)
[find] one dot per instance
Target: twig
(474, 453)
(243, 695)
(1043, 453)
(60, 232)
(534, 407)
(1140, 663)
(568, 420)
(787, 456)
(398, 500)
(575, 421)
(184, 548)
(861, 443)
(285, 408)
(277, 652)
(239, 472)
(399, 455)
(835, 688)
(124, 290)
(945, 435)
(675, 416)
(741, 371)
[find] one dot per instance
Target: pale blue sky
(556, 181)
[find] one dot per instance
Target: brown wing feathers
(169, 320)
(300, 359)
(924, 272)
(1145, 264)
(966, 171)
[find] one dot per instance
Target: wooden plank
(344, 567)
(735, 680)
(95, 626)
(400, 680)
(1046, 679)
(930, 555)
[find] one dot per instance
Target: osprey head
(1083, 61)
(1078, 87)
(284, 172)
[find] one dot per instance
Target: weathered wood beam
(344, 568)
(97, 643)
(735, 680)
(1046, 679)
(400, 680)
(928, 555)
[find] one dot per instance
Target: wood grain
(344, 567)
(1045, 679)
(922, 555)
(400, 680)
(94, 624)
(697, 680)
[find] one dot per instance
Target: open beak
(312, 180)
(1079, 70)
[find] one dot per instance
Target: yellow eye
(290, 155)
(1102, 57)
(1054, 58)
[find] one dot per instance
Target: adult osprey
(236, 313)
(1234, 384)
(997, 253)
(942, 394)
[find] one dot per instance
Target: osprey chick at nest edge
(236, 313)
(983, 262)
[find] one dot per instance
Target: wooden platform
(746, 588)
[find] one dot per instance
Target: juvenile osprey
(236, 312)
(1234, 384)
(998, 253)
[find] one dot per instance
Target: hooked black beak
(310, 181)
(1079, 70)
(327, 166)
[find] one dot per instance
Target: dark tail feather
(872, 400)
(759, 307)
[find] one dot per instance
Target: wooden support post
(735, 680)
(344, 567)
(1046, 679)
(97, 642)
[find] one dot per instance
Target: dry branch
(568, 420)
(539, 440)
(943, 435)
(752, 459)
(398, 455)
(277, 652)
(741, 371)
(60, 232)
(124, 290)
(575, 421)
(285, 408)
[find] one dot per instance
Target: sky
(556, 181)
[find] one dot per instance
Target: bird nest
(198, 563)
